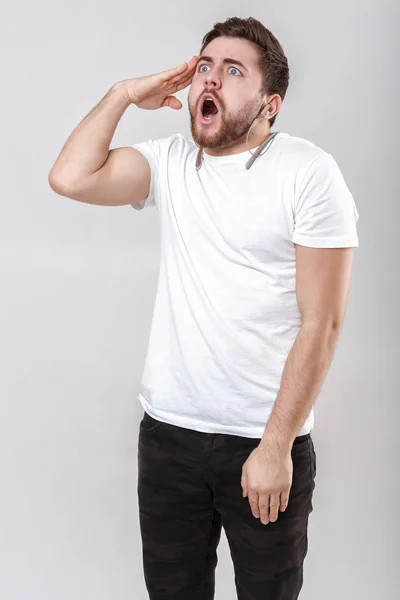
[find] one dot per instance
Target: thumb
(172, 102)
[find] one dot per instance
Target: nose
(212, 80)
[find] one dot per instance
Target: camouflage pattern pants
(188, 488)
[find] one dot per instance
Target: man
(258, 231)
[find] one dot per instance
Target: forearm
(87, 148)
(302, 378)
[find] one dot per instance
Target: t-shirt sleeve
(150, 151)
(325, 211)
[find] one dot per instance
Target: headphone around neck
(265, 144)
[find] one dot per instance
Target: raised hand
(156, 91)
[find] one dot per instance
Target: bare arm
(322, 283)
(87, 170)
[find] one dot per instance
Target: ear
(274, 103)
(265, 110)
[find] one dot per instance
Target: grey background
(78, 285)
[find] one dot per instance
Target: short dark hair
(273, 62)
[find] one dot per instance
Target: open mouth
(208, 108)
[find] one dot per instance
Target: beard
(232, 128)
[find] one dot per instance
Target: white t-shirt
(226, 314)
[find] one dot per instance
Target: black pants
(188, 488)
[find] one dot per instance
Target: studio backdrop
(78, 285)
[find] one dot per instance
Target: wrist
(122, 90)
(276, 441)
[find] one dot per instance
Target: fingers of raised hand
(183, 84)
(179, 74)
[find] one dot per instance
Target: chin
(207, 139)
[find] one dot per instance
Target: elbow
(333, 330)
(326, 330)
(60, 184)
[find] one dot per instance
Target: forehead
(238, 48)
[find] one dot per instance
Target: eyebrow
(231, 61)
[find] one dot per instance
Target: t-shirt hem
(323, 242)
(185, 423)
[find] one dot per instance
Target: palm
(154, 91)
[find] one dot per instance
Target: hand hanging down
(266, 481)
